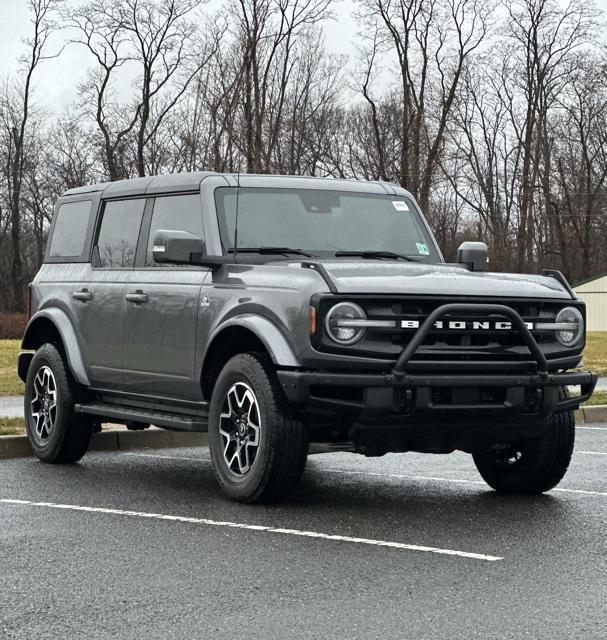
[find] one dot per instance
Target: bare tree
(267, 32)
(543, 39)
(16, 111)
(156, 37)
(432, 41)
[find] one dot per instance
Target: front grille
(462, 344)
(465, 344)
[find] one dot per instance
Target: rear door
(100, 302)
(162, 303)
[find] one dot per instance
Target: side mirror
(473, 255)
(181, 247)
(176, 247)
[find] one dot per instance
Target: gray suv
(277, 311)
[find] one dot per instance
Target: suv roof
(190, 181)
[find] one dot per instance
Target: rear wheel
(258, 446)
(533, 465)
(55, 432)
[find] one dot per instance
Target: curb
(597, 413)
(19, 447)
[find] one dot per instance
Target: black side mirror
(181, 247)
(176, 247)
(473, 255)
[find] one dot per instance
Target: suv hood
(436, 279)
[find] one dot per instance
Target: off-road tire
(283, 441)
(543, 461)
(71, 433)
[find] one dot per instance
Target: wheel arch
(240, 335)
(54, 325)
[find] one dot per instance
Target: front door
(162, 303)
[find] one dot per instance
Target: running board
(177, 421)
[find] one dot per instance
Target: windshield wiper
(375, 254)
(269, 250)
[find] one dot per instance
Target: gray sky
(56, 80)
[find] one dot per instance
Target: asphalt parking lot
(143, 545)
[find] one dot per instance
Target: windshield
(323, 223)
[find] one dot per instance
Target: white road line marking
(593, 453)
(593, 428)
(256, 527)
(453, 480)
(590, 493)
(153, 455)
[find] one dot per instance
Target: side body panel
(160, 335)
(100, 322)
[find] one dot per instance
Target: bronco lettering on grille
(466, 325)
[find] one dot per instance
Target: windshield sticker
(400, 205)
(422, 249)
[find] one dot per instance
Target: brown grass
(9, 381)
(12, 325)
(598, 397)
(11, 426)
(595, 354)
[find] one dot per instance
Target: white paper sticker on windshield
(400, 205)
(422, 249)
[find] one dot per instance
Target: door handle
(137, 298)
(84, 296)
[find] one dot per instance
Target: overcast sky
(57, 80)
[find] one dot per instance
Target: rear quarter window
(70, 230)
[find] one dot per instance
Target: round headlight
(342, 323)
(572, 326)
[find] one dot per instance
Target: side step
(177, 421)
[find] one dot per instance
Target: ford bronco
(275, 311)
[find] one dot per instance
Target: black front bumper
(491, 399)
(491, 395)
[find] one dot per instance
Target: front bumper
(495, 394)
(432, 399)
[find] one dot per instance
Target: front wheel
(258, 446)
(533, 465)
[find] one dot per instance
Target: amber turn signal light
(312, 320)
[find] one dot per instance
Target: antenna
(236, 222)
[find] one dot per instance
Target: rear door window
(69, 233)
(119, 233)
(176, 213)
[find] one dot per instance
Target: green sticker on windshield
(422, 249)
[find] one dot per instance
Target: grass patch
(598, 397)
(9, 380)
(11, 426)
(595, 353)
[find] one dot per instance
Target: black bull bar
(425, 376)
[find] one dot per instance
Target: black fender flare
(60, 320)
(266, 331)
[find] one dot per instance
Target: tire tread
(288, 447)
(75, 432)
